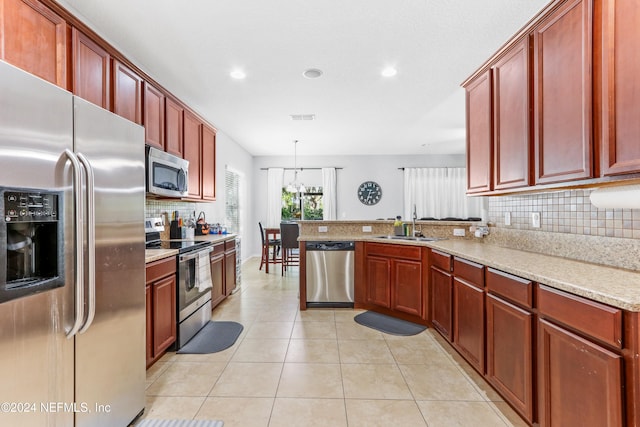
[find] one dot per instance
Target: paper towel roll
(623, 197)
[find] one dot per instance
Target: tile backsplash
(568, 211)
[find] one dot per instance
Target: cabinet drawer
(592, 318)
(395, 251)
(512, 288)
(229, 245)
(470, 271)
(160, 268)
(440, 260)
(218, 249)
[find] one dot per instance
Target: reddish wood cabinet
(468, 311)
(127, 93)
(91, 70)
(396, 281)
(208, 163)
(479, 134)
(562, 94)
(230, 274)
(34, 38)
(161, 307)
(153, 116)
(441, 286)
(218, 292)
(620, 87)
(511, 118)
(173, 127)
(193, 153)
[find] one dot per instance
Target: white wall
(355, 170)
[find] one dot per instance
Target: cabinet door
(562, 94)
(217, 279)
(229, 272)
(34, 38)
(407, 287)
(149, 333)
(379, 281)
(153, 116)
(91, 70)
(441, 299)
(479, 135)
(164, 313)
(620, 87)
(580, 382)
(468, 313)
(193, 153)
(208, 163)
(173, 127)
(127, 93)
(511, 118)
(510, 354)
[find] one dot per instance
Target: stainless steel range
(193, 284)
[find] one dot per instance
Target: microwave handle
(79, 273)
(91, 241)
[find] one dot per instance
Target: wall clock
(369, 193)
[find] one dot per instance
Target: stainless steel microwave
(167, 175)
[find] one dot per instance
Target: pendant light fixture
(295, 186)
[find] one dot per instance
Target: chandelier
(295, 186)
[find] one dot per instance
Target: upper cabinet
(34, 38)
(173, 121)
(620, 87)
(193, 153)
(127, 93)
(511, 118)
(208, 163)
(91, 70)
(478, 94)
(562, 94)
(153, 116)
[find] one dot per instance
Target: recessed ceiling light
(389, 72)
(312, 73)
(238, 74)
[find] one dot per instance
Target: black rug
(388, 324)
(212, 338)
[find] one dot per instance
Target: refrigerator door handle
(91, 241)
(79, 276)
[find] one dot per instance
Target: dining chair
(289, 232)
(270, 249)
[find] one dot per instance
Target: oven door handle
(79, 238)
(194, 254)
(91, 241)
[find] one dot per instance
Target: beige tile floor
(319, 368)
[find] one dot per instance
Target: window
(306, 206)
(232, 200)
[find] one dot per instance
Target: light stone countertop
(151, 255)
(614, 286)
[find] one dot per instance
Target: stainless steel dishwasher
(330, 267)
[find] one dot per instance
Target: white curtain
(438, 193)
(275, 181)
(329, 194)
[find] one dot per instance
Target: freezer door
(110, 354)
(37, 359)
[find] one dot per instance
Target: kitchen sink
(412, 238)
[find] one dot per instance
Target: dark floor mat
(388, 324)
(212, 338)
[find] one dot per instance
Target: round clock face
(369, 193)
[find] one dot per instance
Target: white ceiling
(190, 47)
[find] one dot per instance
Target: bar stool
(289, 232)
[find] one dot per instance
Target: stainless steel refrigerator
(72, 278)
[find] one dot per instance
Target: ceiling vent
(302, 116)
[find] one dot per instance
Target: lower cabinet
(218, 293)
(441, 284)
(395, 280)
(161, 307)
(230, 276)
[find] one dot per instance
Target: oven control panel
(27, 206)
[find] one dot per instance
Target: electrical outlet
(323, 229)
(535, 219)
(458, 232)
(507, 218)
(366, 229)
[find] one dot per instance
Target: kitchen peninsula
(532, 324)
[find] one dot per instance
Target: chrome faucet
(413, 223)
